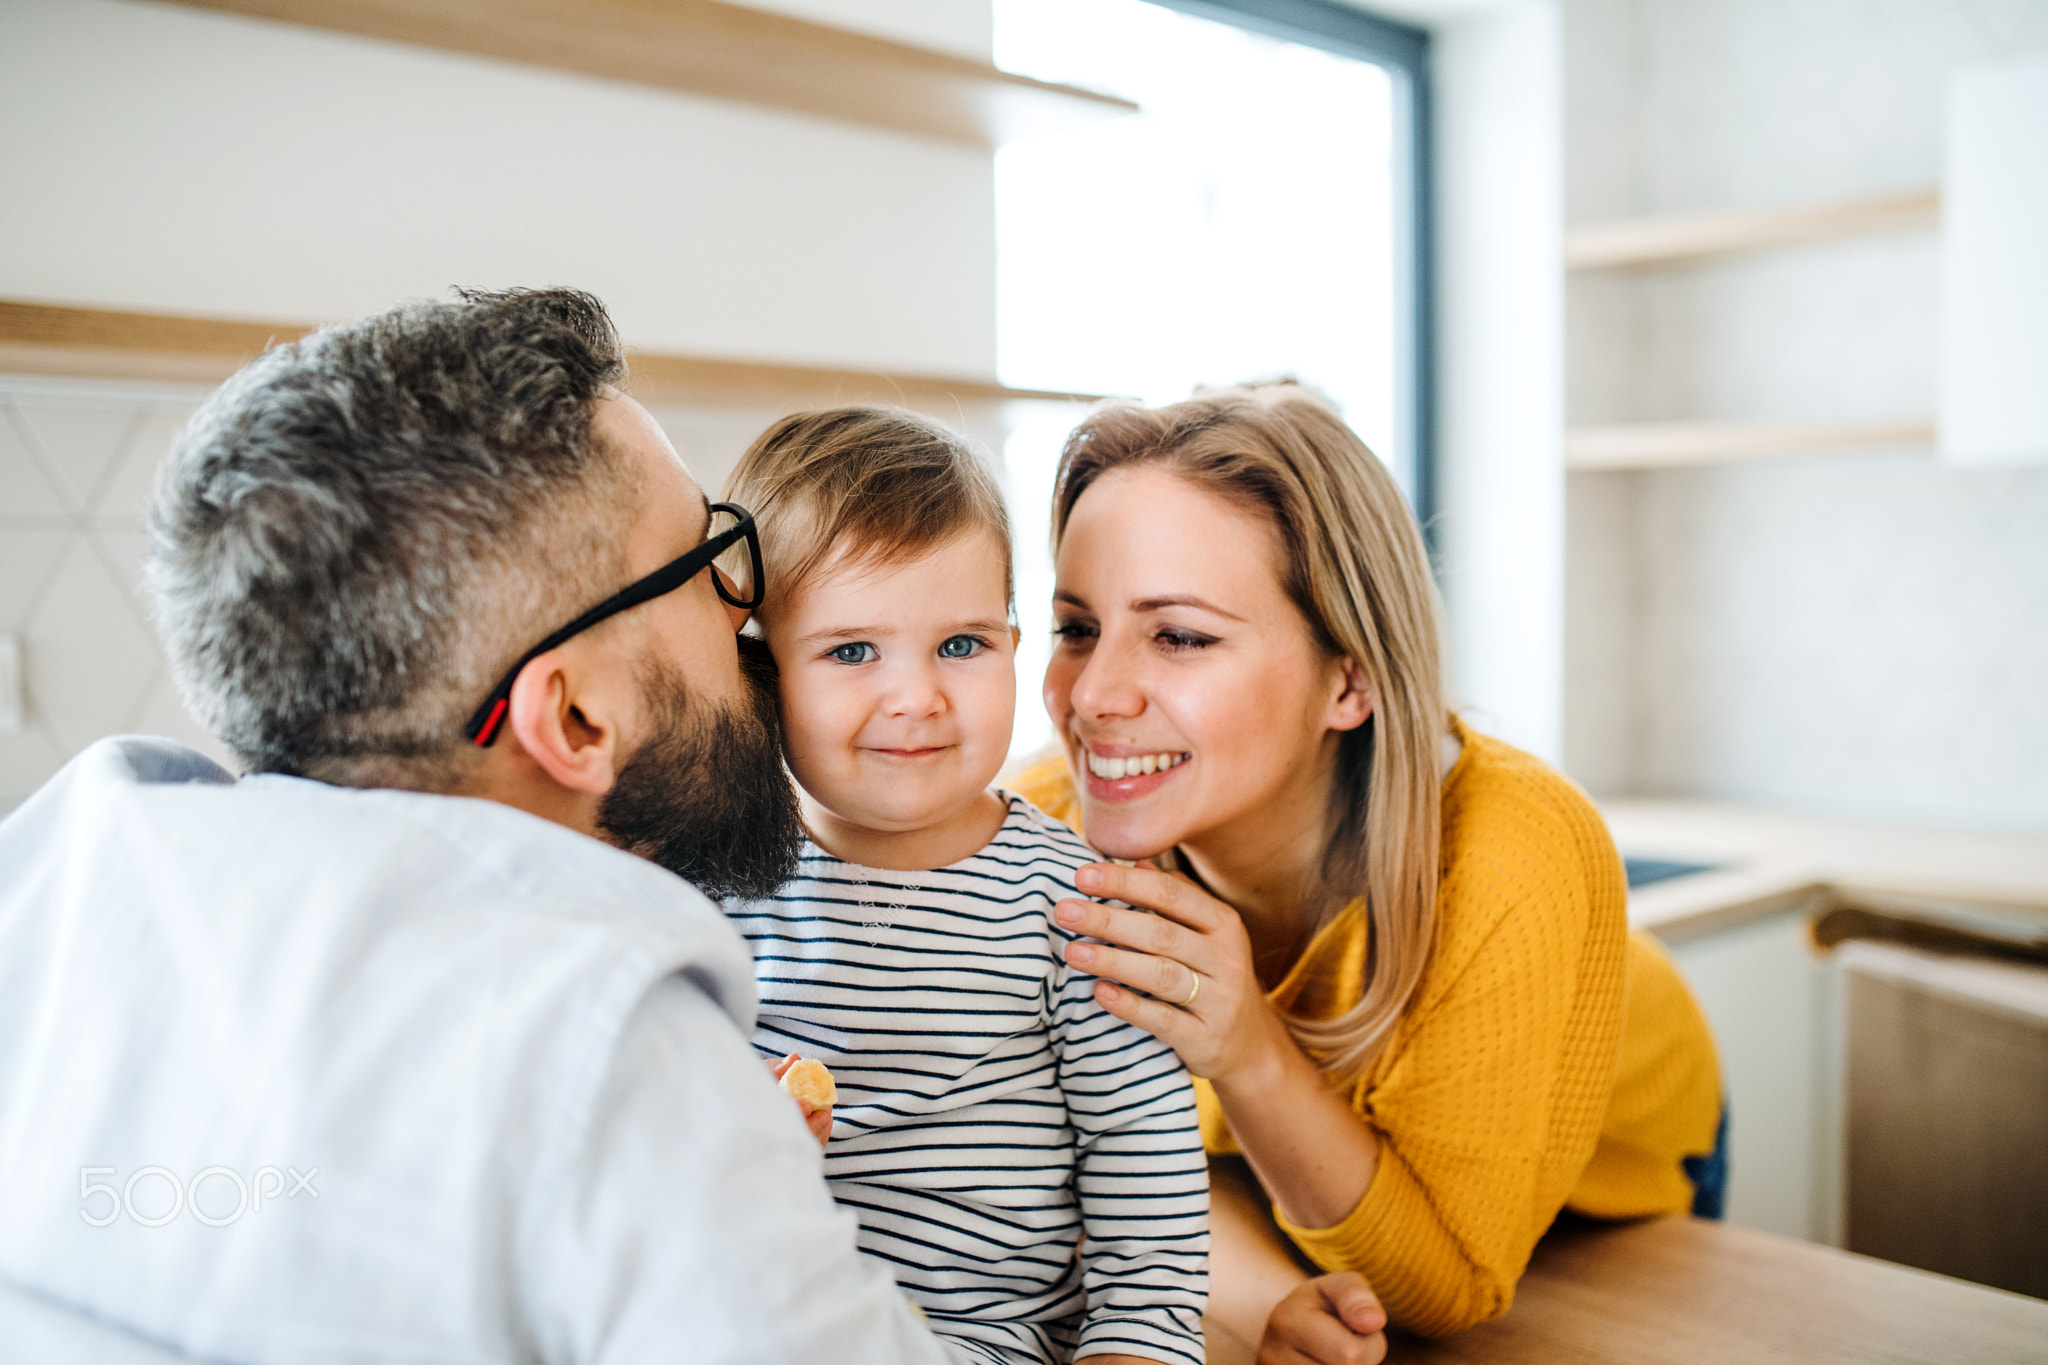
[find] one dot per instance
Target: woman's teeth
(1110, 769)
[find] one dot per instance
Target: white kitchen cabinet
(1775, 1006)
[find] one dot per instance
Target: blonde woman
(1393, 950)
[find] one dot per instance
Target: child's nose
(917, 692)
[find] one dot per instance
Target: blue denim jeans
(1709, 1174)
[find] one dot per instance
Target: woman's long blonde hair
(1353, 562)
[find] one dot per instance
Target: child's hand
(818, 1120)
(1330, 1320)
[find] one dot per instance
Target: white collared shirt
(431, 1079)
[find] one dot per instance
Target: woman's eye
(859, 653)
(1177, 640)
(962, 647)
(1073, 632)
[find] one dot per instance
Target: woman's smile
(1134, 773)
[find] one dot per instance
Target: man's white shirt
(431, 1079)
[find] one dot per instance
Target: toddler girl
(1027, 1164)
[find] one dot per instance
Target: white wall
(1861, 633)
(159, 158)
(1497, 65)
(1500, 382)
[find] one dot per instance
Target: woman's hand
(1315, 1157)
(1330, 1320)
(1192, 957)
(819, 1121)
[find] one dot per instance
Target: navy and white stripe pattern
(992, 1118)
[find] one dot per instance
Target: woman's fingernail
(1067, 914)
(1080, 954)
(1107, 993)
(1089, 879)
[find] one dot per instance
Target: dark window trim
(1403, 51)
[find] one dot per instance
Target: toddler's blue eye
(961, 647)
(859, 653)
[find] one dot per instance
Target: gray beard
(708, 796)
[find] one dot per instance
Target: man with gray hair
(393, 1049)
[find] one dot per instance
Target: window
(1264, 215)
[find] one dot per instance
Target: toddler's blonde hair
(878, 484)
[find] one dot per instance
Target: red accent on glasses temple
(483, 736)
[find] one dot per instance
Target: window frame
(1403, 52)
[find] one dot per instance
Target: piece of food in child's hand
(810, 1083)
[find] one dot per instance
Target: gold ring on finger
(1193, 990)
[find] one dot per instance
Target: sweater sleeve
(1491, 1102)
(1141, 1179)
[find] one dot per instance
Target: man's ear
(1351, 705)
(571, 743)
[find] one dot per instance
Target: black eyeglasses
(730, 524)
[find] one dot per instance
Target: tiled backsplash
(76, 463)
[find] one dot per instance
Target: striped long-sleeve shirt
(1027, 1164)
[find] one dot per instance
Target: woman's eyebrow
(1145, 604)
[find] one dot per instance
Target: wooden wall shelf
(1677, 445)
(49, 339)
(1655, 241)
(726, 51)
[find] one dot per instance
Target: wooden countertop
(1773, 861)
(1680, 1291)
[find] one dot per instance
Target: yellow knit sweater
(1548, 1056)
